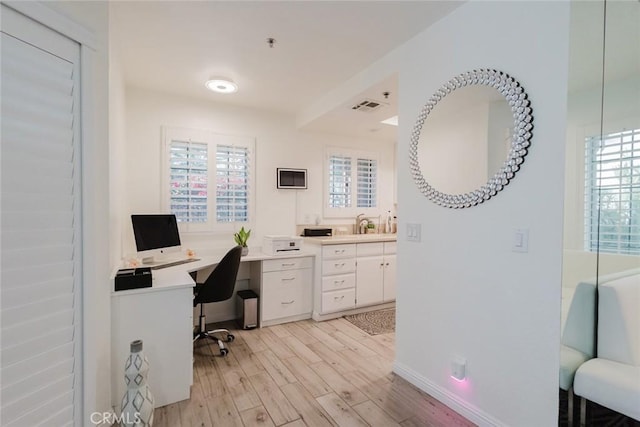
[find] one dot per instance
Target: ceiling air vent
(367, 105)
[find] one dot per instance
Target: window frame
(212, 139)
(353, 210)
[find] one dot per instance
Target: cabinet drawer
(338, 251)
(286, 264)
(390, 247)
(338, 266)
(284, 298)
(338, 300)
(368, 249)
(342, 281)
(288, 277)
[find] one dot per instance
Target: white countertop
(351, 238)
(178, 276)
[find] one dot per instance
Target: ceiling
(175, 46)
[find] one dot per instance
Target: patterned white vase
(137, 402)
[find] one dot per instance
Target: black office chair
(218, 287)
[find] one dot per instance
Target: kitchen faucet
(358, 223)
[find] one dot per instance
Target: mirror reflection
(600, 345)
(466, 139)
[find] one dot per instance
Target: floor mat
(375, 322)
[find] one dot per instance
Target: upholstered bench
(612, 379)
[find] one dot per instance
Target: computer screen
(155, 232)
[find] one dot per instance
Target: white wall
(278, 144)
(461, 290)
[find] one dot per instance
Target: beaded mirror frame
(518, 101)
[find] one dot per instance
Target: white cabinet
(349, 276)
(163, 320)
(389, 285)
(375, 273)
(338, 268)
(369, 280)
(284, 286)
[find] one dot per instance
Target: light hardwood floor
(300, 374)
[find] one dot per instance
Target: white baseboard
(453, 401)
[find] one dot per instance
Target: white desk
(162, 317)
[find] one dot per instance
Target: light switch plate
(520, 242)
(414, 232)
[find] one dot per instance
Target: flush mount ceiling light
(221, 85)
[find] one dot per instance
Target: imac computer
(156, 235)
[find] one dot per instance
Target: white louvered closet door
(40, 223)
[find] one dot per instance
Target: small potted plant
(241, 238)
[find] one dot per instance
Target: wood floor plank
(301, 350)
(223, 412)
(353, 344)
(374, 416)
(326, 339)
(279, 330)
(296, 423)
(326, 326)
(309, 409)
(300, 333)
(341, 413)
(236, 382)
(193, 412)
(274, 344)
(248, 361)
(389, 340)
(274, 401)
(379, 348)
(307, 377)
(256, 417)
(173, 415)
(343, 388)
(333, 358)
(278, 371)
(160, 417)
(348, 328)
(252, 339)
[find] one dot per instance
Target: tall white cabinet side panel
(163, 321)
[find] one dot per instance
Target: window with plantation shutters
(210, 178)
(232, 183)
(612, 184)
(367, 183)
(352, 182)
(188, 181)
(40, 227)
(339, 181)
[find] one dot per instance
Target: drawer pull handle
(288, 302)
(339, 251)
(338, 282)
(288, 279)
(338, 265)
(288, 264)
(340, 298)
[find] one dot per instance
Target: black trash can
(247, 309)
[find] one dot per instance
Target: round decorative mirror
(474, 141)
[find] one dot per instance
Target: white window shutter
(41, 241)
